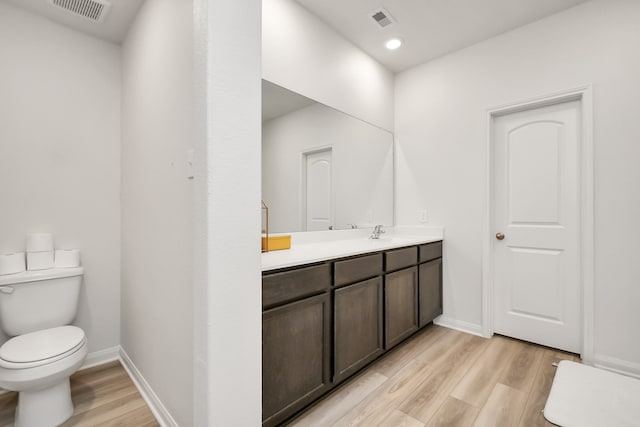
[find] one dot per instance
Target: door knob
(499, 236)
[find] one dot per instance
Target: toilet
(36, 309)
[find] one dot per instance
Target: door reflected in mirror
(322, 169)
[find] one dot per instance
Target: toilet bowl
(36, 309)
(38, 366)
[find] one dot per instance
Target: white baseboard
(459, 325)
(157, 408)
(101, 356)
(616, 365)
(114, 353)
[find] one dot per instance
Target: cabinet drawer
(430, 251)
(401, 258)
(279, 288)
(356, 269)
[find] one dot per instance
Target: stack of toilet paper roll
(12, 263)
(39, 251)
(40, 255)
(66, 258)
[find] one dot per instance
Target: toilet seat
(41, 347)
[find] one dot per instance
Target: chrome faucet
(377, 231)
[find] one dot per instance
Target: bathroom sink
(392, 239)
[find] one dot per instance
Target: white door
(537, 289)
(319, 207)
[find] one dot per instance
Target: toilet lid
(41, 345)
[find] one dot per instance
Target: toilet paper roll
(39, 260)
(39, 242)
(12, 263)
(67, 258)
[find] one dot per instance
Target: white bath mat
(583, 396)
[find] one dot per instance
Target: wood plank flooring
(444, 378)
(102, 396)
(438, 378)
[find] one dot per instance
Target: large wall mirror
(322, 169)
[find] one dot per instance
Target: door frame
(302, 190)
(584, 94)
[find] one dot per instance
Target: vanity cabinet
(401, 295)
(324, 322)
(358, 313)
(296, 342)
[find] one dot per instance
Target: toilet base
(48, 407)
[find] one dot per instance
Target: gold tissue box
(276, 243)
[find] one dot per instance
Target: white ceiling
(429, 28)
(113, 28)
(278, 101)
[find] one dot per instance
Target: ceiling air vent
(382, 18)
(94, 10)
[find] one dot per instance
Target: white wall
(60, 155)
(305, 55)
(441, 112)
(362, 167)
(228, 292)
(157, 202)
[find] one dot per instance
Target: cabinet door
(358, 326)
(401, 305)
(296, 356)
(430, 291)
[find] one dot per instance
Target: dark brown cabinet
(323, 322)
(357, 326)
(401, 305)
(430, 282)
(430, 291)
(296, 356)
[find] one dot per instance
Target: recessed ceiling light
(393, 44)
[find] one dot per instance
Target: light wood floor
(102, 396)
(440, 377)
(443, 377)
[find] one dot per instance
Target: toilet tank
(36, 300)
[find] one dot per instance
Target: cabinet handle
(499, 236)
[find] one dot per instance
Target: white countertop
(307, 248)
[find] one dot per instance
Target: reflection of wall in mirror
(362, 167)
